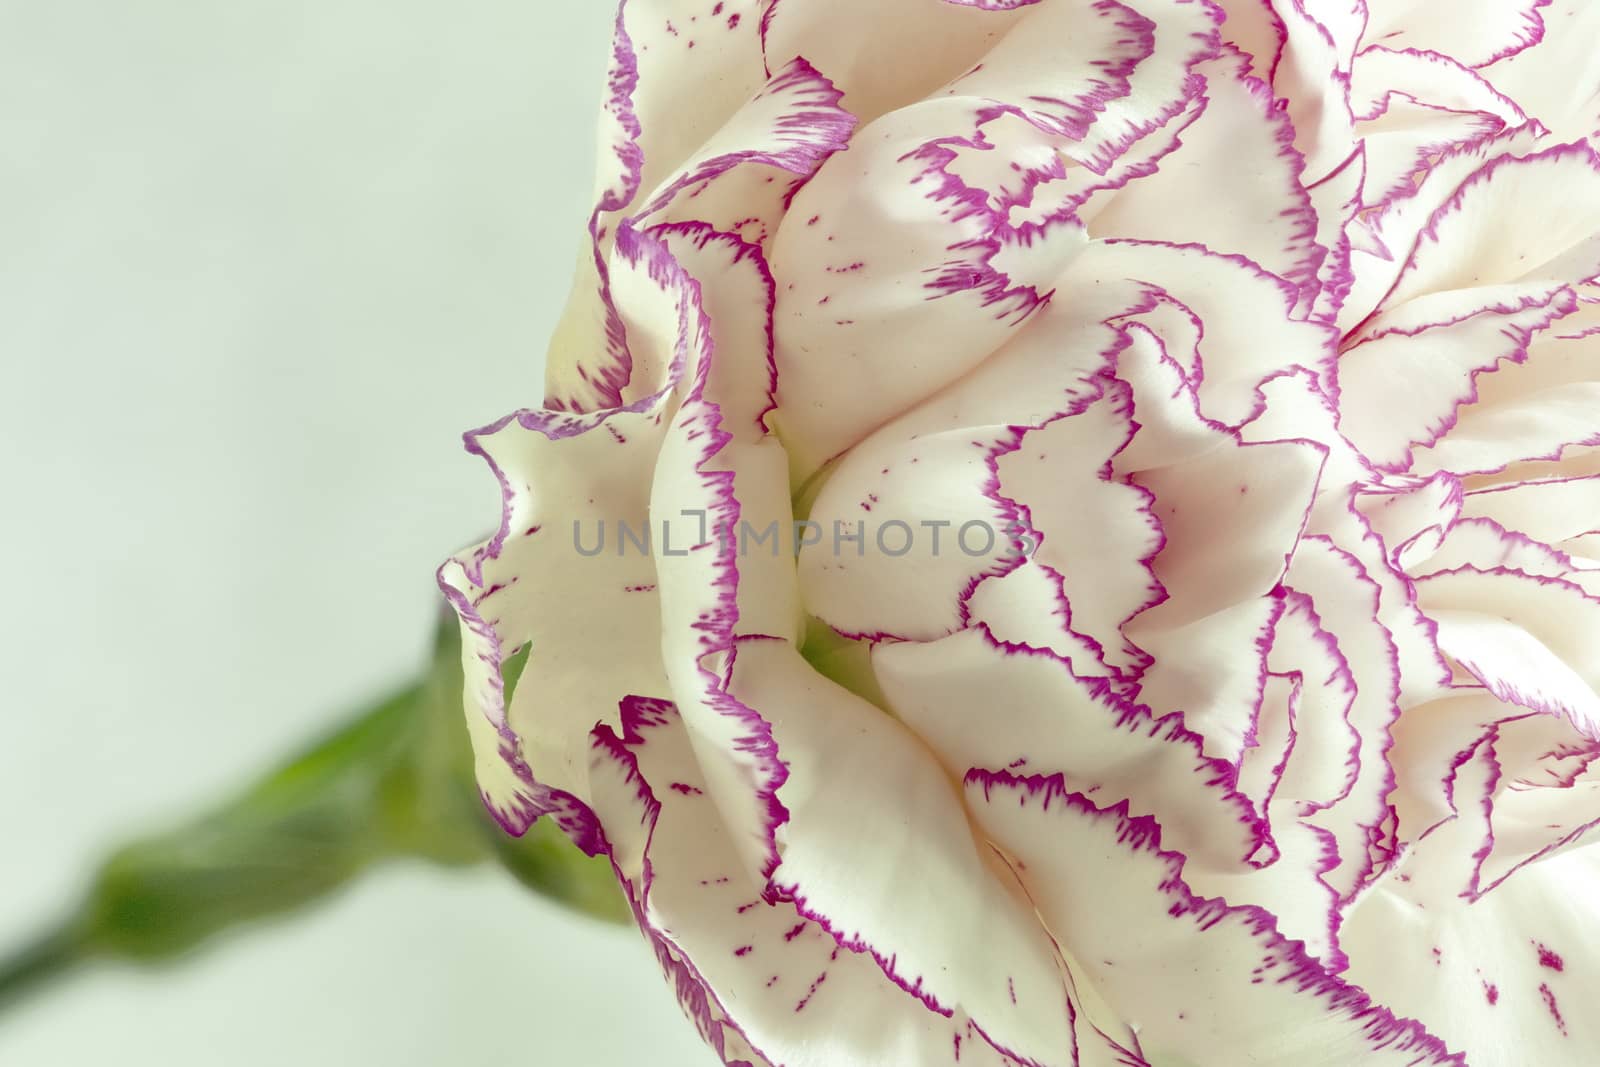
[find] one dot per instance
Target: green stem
(395, 781)
(38, 965)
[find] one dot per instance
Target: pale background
(261, 261)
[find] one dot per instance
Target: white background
(261, 261)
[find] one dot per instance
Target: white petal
(1346, 541)
(740, 179)
(1486, 545)
(1412, 519)
(954, 935)
(1532, 219)
(1254, 28)
(736, 296)
(1094, 530)
(1556, 80)
(1338, 199)
(1542, 408)
(1350, 607)
(1239, 350)
(1542, 426)
(978, 703)
(904, 533)
(646, 131)
(712, 591)
(1528, 639)
(895, 53)
(648, 126)
(1412, 105)
(750, 971)
(1211, 669)
(1313, 76)
(1392, 227)
(1232, 517)
(569, 483)
(891, 278)
(562, 492)
(1261, 211)
(1550, 510)
(1028, 606)
(1301, 405)
(1507, 977)
(903, 265)
(1198, 981)
(1475, 32)
(1301, 748)
(1402, 383)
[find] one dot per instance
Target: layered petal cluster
(1067, 532)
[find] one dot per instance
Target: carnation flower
(1068, 531)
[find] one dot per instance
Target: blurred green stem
(37, 965)
(395, 782)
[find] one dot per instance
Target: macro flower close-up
(1068, 532)
(801, 533)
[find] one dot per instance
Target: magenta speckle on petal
(1549, 960)
(1553, 1008)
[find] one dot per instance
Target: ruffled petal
(1391, 227)
(977, 703)
(1231, 519)
(1338, 198)
(1312, 76)
(1501, 977)
(1558, 79)
(741, 178)
(956, 937)
(903, 533)
(1404, 380)
(1196, 980)
(1028, 606)
(916, 255)
(1238, 350)
(1542, 408)
(1475, 32)
(894, 52)
(1298, 757)
(1541, 426)
(1412, 105)
(1549, 510)
(1262, 211)
(572, 487)
(646, 131)
(1527, 638)
(1093, 530)
(1518, 219)
(1256, 30)
(1349, 606)
(752, 972)
(1361, 550)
